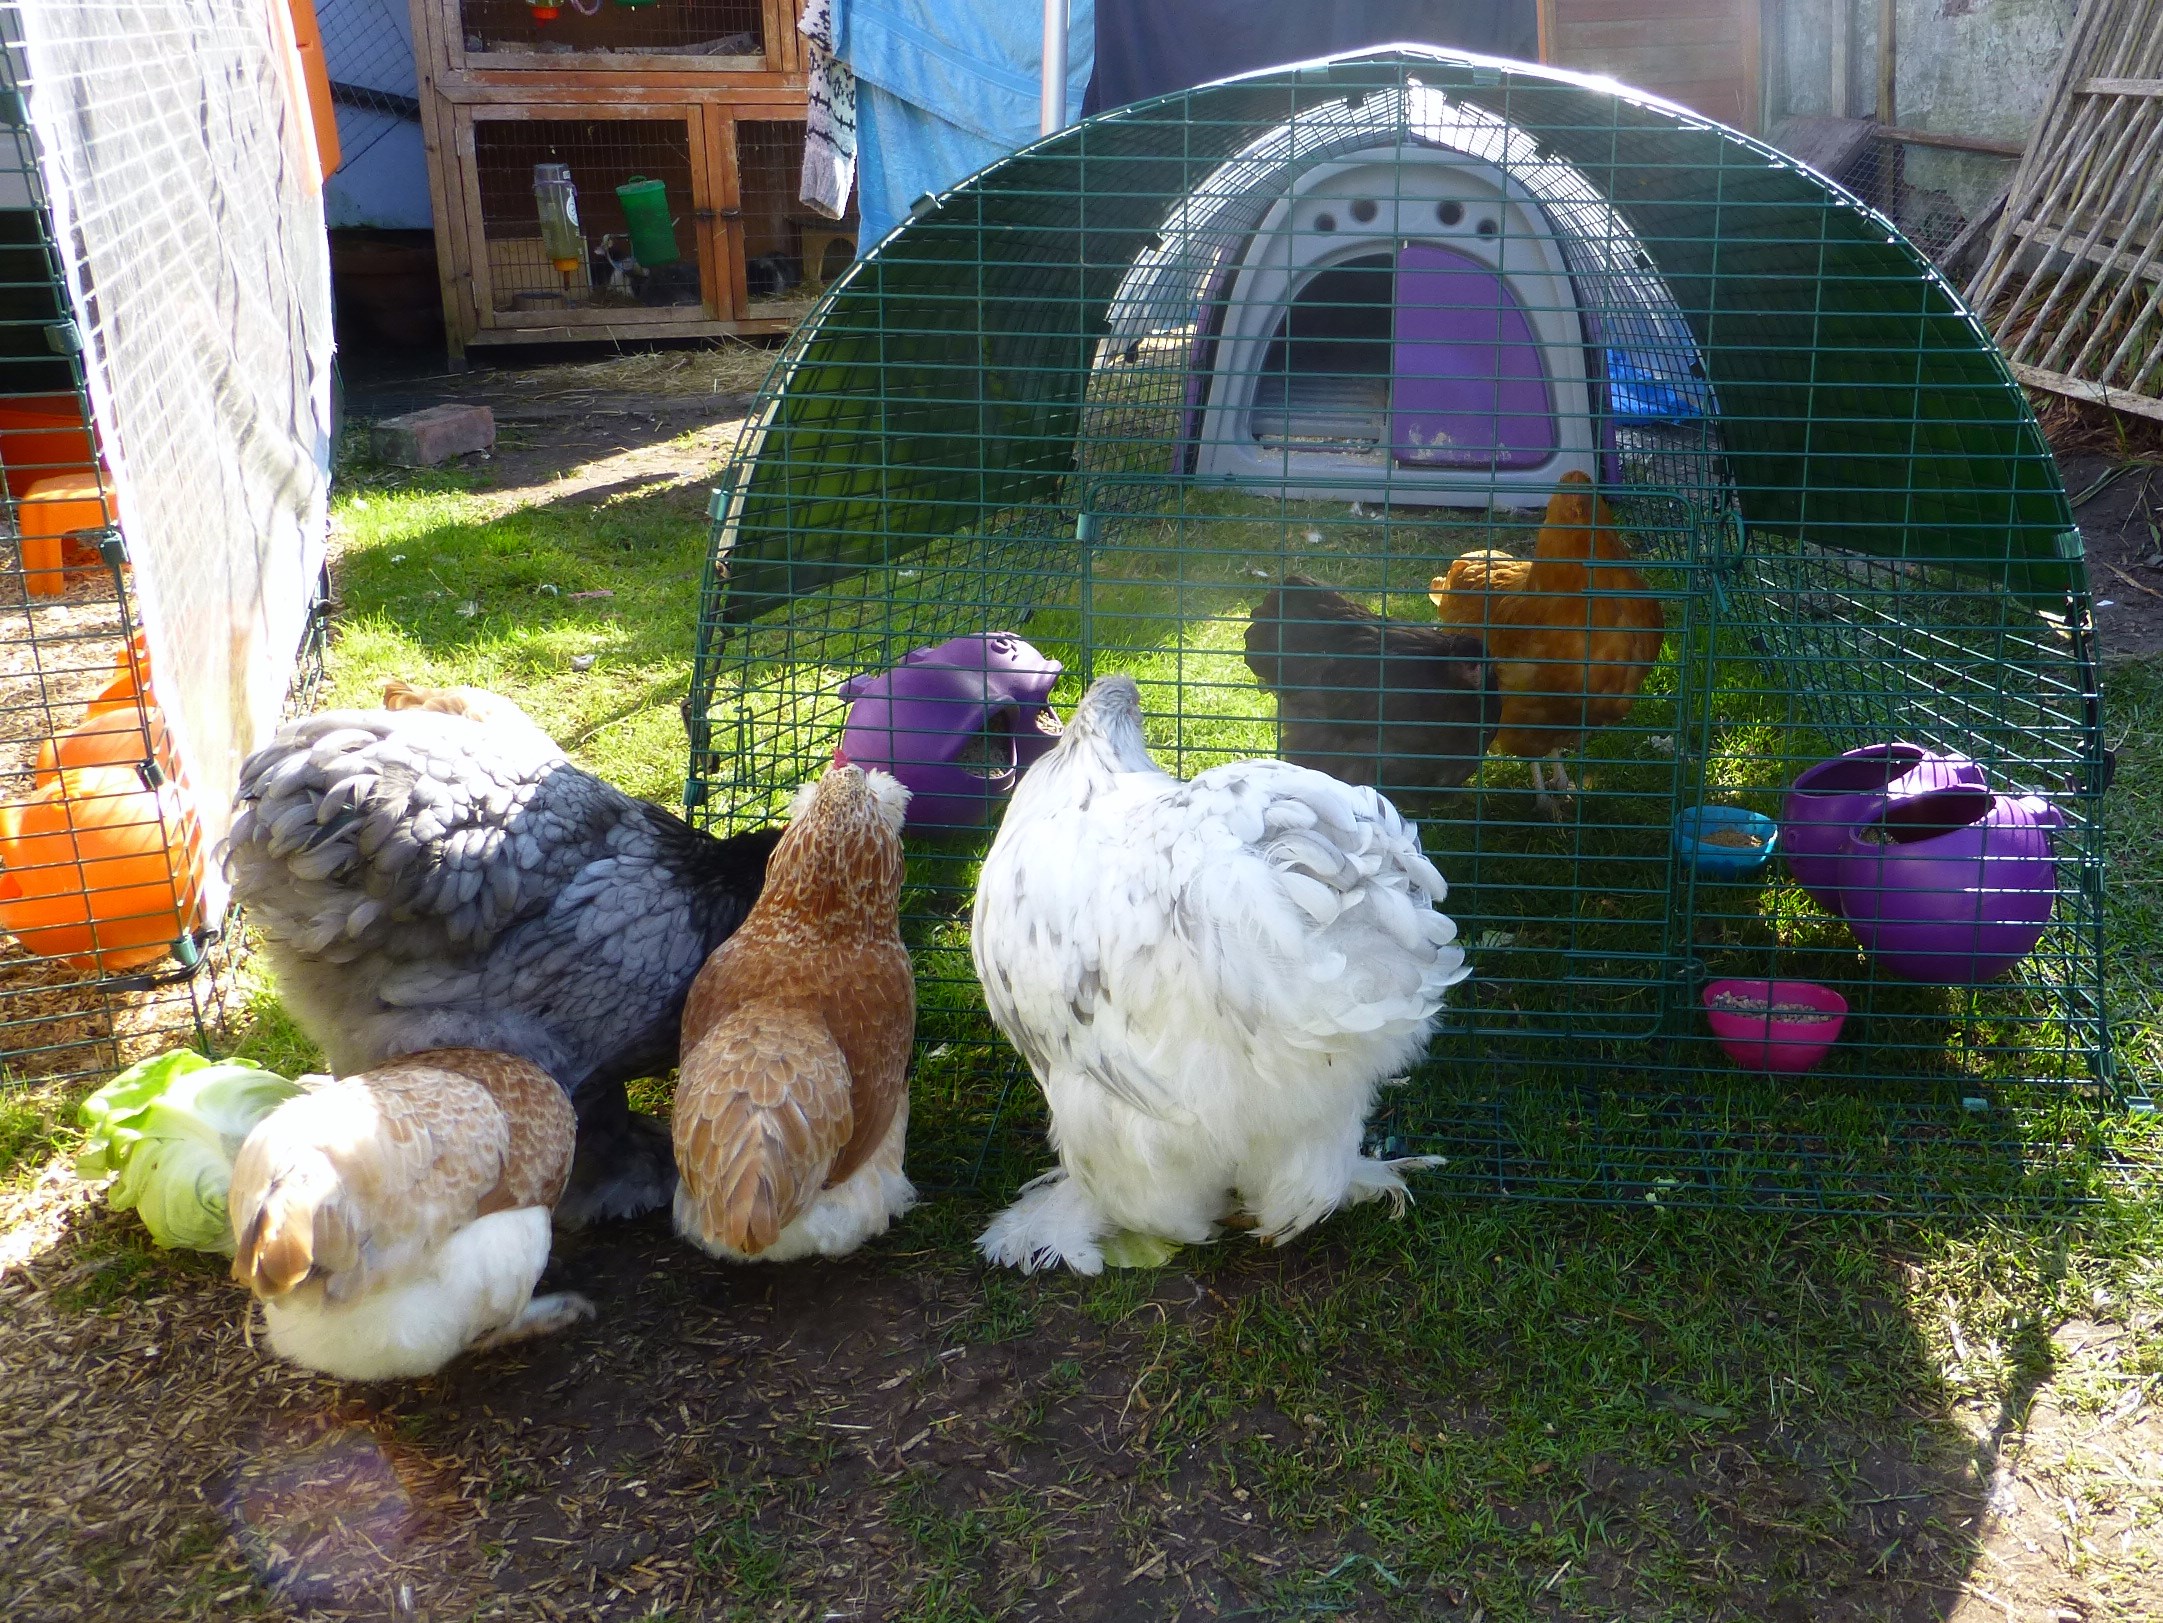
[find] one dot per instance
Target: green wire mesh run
(1355, 320)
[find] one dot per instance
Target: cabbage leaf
(169, 1128)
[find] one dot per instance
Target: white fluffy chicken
(1211, 980)
(390, 1221)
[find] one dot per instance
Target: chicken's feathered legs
(1548, 803)
(624, 1166)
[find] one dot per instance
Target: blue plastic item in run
(1725, 843)
(1635, 391)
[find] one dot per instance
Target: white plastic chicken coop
(1402, 321)
(1110, 393)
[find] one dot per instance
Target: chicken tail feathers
(762, 1110)
(275, 1252)
(286, 1225)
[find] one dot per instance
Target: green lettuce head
(170, 1128)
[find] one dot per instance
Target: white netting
(179, 160)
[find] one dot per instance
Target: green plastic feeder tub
(645, 211)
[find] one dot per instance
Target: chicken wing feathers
(419, 836)
(543, 1130)
(762, 1109)
(356, 1179)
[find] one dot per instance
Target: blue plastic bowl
(1694, 837)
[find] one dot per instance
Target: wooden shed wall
(1701, 53)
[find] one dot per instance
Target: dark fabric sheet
(1150, 48)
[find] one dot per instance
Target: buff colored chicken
(1572, 631)
(390, 1221)
(792, 1108)
(475, 704)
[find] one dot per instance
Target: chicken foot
(1548, 803)
(543, 1316)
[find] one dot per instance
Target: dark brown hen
(1391, 704)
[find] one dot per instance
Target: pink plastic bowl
(1771, 1042)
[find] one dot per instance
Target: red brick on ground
(421, 439)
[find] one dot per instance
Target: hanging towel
(945, 87)
(829, 118)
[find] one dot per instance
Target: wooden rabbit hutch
(672, 135)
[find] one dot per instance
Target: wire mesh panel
(616, 167)
(692, 29)
(368, 49)
(1636, 510)
(100, 855)
(1922, 190)
(788, 249)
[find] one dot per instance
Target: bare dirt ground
(2121, 522)
(893, 1437)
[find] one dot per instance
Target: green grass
(437, 588)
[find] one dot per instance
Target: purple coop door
(1470, 385)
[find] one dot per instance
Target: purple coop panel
(1469, 387)
(957, 723)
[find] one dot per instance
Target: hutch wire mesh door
(697, 105)
(1360, 321)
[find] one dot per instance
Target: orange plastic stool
(47, 512)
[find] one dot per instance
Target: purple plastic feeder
(1825, 803)
(958, 724)
(1953, 887)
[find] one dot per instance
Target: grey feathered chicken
(1386, 704)
(426, 879)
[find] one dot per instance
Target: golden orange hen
(1573, 631)
(793, 1105)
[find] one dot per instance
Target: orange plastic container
(113, 737)
(89, 875)
(42, 435)
(131, 677)
(46, 512)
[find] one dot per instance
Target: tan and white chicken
(1211, 981)
(792, 1108)
(505, 716)
(390, 1221)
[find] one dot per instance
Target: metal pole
(1052, 106)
